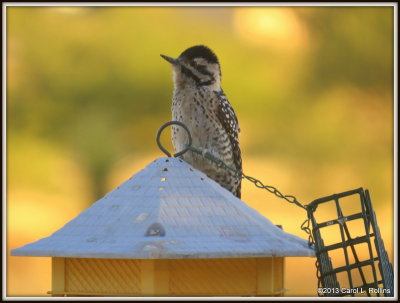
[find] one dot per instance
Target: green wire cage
(371, 276)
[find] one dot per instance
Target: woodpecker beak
(169, 59)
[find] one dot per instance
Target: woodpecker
(200, 103)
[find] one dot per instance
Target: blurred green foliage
(90, 81)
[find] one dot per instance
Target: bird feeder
(355, 280)
(168, 231)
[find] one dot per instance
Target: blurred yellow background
(87, 90)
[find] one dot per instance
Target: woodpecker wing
(227, 118)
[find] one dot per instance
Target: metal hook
(162, 147)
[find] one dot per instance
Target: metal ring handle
(162, 147)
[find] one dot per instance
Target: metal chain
(305, 226)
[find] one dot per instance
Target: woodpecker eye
(203, 69)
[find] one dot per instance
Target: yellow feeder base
(167, 277)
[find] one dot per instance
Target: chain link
(240, 174)
(305, 226)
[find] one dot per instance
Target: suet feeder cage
(370, 274)
(168, 231)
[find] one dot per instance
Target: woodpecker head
(196, 66)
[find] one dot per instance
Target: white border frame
(189, 4)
